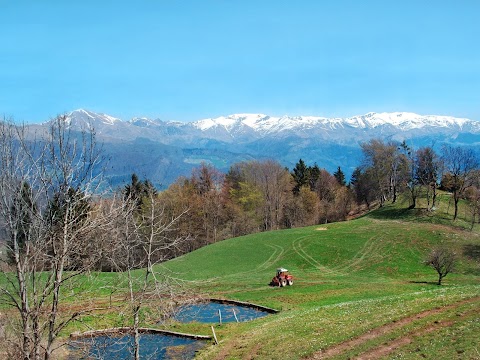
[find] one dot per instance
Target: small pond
(208, 313)
(152, 346)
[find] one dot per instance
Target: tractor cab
(282, 278)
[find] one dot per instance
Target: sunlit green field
(350, 277)
(360, 287)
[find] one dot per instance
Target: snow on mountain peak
(110, 120)
(269, 124)
(404, 120)
(144, 122)
(230, 121)
(242, 125)
(89, 116)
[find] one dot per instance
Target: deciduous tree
(427, 171)
(460, 163)
(442, 259)
(379, 159)
(51, 163)
(142, 240)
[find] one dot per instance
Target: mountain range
(164, 150)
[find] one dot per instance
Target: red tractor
(283, 278)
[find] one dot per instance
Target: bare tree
(427, 170)
(442, 260)
(343, 202)
(385, 166)
(274, 183)
(460, 163)
(50, 165)
(302, 209)
(208, 182)
(334, 200)
(142, 240)
(473, 196)
(407, 169)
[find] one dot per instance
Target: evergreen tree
(340, 176)
(72, 207)
(300, 175)
(314, 172)
(355, 176)
(138, 190)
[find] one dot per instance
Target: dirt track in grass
(386, 349)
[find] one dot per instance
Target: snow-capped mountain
(80, 117)
(242, 128)
(248, 127)
(401, 121)
(163, 150)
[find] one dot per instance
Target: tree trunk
(456, 199)
(414, 199)
(434, 196)
(474, 216)
(24, 302)
(136, 345)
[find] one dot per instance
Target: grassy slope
(350, 277)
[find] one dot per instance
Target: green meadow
(360, 290)
(351, 278)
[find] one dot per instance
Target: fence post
(214, 335)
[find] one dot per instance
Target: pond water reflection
(208, 313)
(153, 347)
(160, 346)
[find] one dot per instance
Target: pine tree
(314, 172)
(138, 190)
(355, 176)
(300, 175)
(340, 176)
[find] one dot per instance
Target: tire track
(299, 249)
(384, 330)
(273, 258)
(391, 346)
(339, 270)
(278, 252)
(364, 253)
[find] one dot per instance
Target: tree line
(256, 196)
(389, 169)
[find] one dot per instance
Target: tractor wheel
(283, 283)
(290, 282)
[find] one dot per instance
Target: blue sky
(187, 60)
